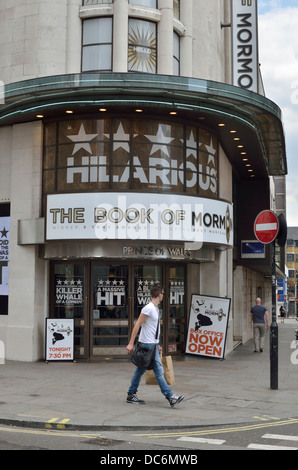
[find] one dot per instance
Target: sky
(278, 56)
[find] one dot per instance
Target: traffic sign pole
(266, 230)
(273, 329)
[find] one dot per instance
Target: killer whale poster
(207, 328)
(59, 339)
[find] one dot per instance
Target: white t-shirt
(148, 330)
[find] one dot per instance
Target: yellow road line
(222, 430)
(49, 432)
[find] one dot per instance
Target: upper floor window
(145, 3)
(142, 44)
(176, 54)
(176, 8)
(97, 44)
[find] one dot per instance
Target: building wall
(40, 39)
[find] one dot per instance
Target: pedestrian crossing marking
(280, 437)
(201, 440)
(268, 447)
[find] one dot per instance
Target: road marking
(266, 418)
(223, 430)
(49, 432)
(60, 425)
(280, 437)
(201, 440)
(266, 447)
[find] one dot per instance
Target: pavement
(92, 396)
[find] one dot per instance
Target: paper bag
(167, 363)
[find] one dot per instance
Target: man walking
(258, 315)
(148, 321)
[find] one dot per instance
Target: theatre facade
(130, 166)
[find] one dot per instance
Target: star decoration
(82, 140)
(4, 232)
(162, 139)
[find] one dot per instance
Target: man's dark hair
(156, 289)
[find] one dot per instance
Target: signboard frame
(61, 331)
(205, 336)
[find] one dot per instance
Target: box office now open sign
(207, 329)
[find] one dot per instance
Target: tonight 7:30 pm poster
(207, 329)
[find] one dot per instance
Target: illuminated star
(212, 152)
(82, 140)
(161, 141)
(120, 135)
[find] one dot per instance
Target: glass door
(69, 299)
(145, 275)
(109, 310)
(175, 343)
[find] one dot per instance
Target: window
(291, 274)
(97, 44)
(142, 43)
(176, 7)
(176, 54)
(129, 154)
(145, 3)
(290, 257)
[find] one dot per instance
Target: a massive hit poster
(207, 328)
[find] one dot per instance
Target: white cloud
(278, 46)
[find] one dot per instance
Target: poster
(4, 254)
(207, 329)
(59, 339)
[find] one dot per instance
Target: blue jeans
(158, 371)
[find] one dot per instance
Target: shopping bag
(168, 368)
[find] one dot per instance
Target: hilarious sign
(207, 329)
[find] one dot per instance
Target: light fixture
(39, 116)
(139, 110)
(240, 146)
(236, 138)
(233, 132)
(102, 110)
(173, 113)
(69, 111)
(221, 125)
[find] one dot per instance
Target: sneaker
(174, 400)
(134, 399)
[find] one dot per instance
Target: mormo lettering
(245, 47)
(245, 51)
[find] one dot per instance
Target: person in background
(260, 319)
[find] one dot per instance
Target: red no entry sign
(266, 227)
